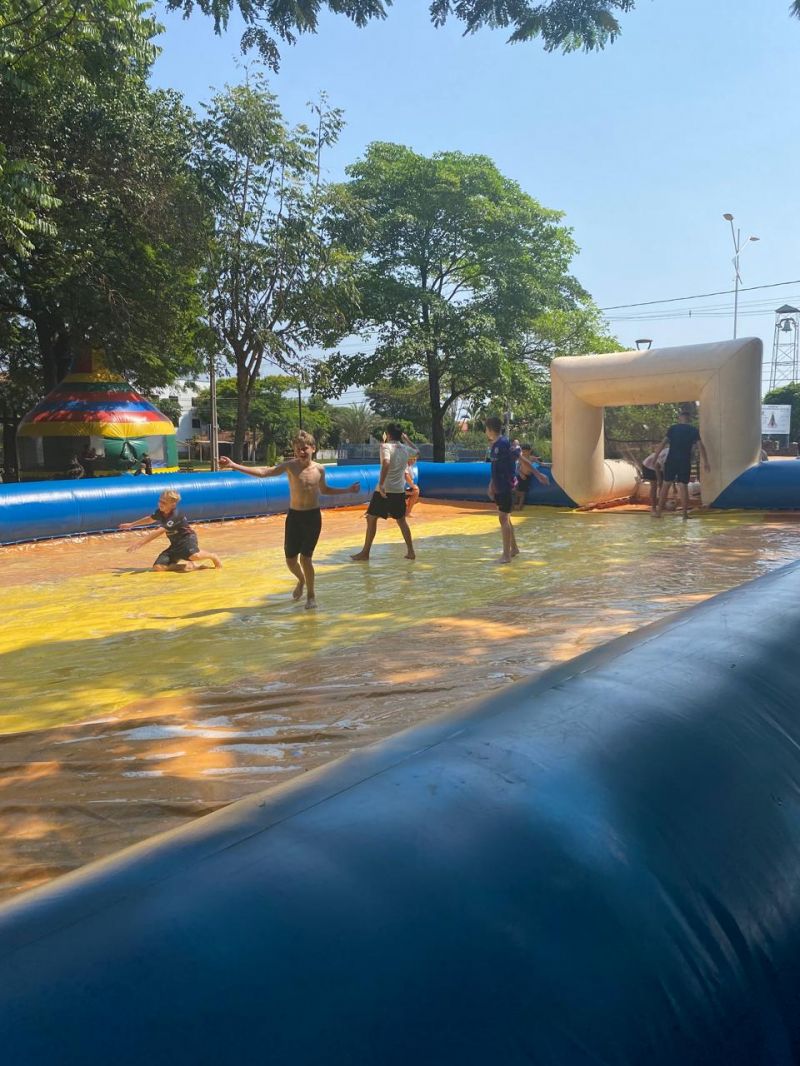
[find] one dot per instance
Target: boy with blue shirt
(503, 458)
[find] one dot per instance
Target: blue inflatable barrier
(38, 510)
(470, 481)
(596, 866)
(770, 486)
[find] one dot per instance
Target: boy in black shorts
(304, 518)
(389, 499)
(501, 486)
(681, 439)
(183, 552)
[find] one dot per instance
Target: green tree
(355, 422)
(112, 250)
(272, 415)
(788, 394)
(570, 25)
(276, 283)
(403, 403)
(463, 282)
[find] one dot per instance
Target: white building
(184, 393)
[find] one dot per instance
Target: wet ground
(131, 702)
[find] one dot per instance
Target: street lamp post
(644, 343)
(736, 236)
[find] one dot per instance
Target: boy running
(304, 517)
(501, 486)
(183, 552)
(389, 499)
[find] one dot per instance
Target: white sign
(775, 419)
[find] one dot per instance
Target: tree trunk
(10, 464)
(242, 409)
(437, 415)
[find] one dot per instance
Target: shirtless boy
(304, 518)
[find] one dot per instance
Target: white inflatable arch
(725, 377)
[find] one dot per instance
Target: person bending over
(183, 552)
(304, 517)
(526, 472)
(389, 499)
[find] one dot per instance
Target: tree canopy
(115, 229)
(569, 25)
(276, 281)
(463, 281)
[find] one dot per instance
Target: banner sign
(775, 419)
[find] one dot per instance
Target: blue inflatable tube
(38, 510)
(46, 509)
(770, 486)
(470, 481)
(597, 866)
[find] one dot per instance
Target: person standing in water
(503, 458)
(389, 499)
(304, 517)
(680, 439)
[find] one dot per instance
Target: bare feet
(514, 552)
(297, 592)
(217, 563)
(360, 557)
(311, 604)
(504, 559)
(410, 555)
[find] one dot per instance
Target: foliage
(109, 249)
(405, 402)
(631, 432)
(167, 406)
(273, 416)
(788, 394)
(276, 282)
(571, 25)
(463, 282)
(355, 422)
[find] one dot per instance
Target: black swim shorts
(523, 484)
(504, 501)
(648, 474)
(392, 505)
(302, 532)
(677, 470)
(179, 549)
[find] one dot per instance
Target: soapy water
(131, 702)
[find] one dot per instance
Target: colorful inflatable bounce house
(94, 423)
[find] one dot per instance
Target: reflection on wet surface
(132, 701)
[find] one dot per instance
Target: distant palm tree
(356, 422)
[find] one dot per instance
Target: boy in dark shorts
(503, 458)
(526, 472)
(389, 499)
(304, 518)
(681, 438)
(183, 552)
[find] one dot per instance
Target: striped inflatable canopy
(94, 422)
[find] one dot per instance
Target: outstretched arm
(145, 540)
(328, 490)
(146, 521)
(254, 471)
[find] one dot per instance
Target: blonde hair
(302, 437)
(170, 494)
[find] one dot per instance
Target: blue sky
(693, 112)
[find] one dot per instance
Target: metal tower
(785, 367)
